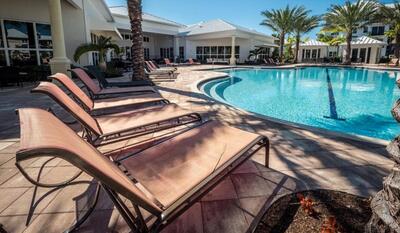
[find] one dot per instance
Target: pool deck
(300, 159)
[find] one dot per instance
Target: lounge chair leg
(129, 219)
(80, 221)
(266, 152)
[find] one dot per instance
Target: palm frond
(84, 48)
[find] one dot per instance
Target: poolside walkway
(300, 159)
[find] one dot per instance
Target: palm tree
(301, 26)
(391, 15)
(102, 46)
(348, 17)
(281, 22)
(135, 16)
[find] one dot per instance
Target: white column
(59, 62)
(233, 59)
(176, 46)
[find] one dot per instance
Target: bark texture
(347, 59)
(135, 16)
(386, 203)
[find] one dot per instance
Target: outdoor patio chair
(115, 104)
(393, 62)
(157, 67)
(97, 92)
(151, 68)
(95, 72)
(163, 180)
(106, 129)
(191, 62)
(169, 63)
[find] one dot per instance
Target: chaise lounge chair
(95, 72)
(94, 106)
(96, 91)
(157, 67)
(393, 62)
(155, 71)
(164, 180)
(106, 129)
(169, 63)
(191, 62)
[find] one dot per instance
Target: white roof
(313, 43)
(123, 11)
(365, 40)
(216, 25)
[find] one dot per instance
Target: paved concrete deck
(300, 159)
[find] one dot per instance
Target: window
(22, 58)
(377, 31)
(126, 36)
(181, 52)
(43, 32)
(19, 34)
(146, 39)
(220, 52)
(146, 53)
(365, 30)
(166, 52)
(25, 43)
(314, 53)
(332, 54)
(1, 38)
(3, 58)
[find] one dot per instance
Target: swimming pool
(348, 100)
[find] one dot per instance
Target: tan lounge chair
(164, 180)
(152, 71)
(105, 129)
(169, 63)
(154, 66)
(96, 91)
(94, 106)
(191, 62)
(393, 62)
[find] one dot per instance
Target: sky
(241, 12)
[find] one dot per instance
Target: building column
(176, 47)
(59, 62)
(233, 59)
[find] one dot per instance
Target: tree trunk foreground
(135, 16)
(386, 203)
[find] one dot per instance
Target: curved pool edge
(196, 86)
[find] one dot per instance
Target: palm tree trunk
(281, 44)
(397, 48)
(296, 54)
(347, 60)
(135, 16)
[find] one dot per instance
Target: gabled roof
(123, 11)
(365, 40)
(313, 43)
(216, 25)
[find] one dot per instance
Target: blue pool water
(354, 101)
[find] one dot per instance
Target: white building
(210, 39)
(364, 50)
(31, 32)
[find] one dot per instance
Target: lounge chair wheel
(44, 185)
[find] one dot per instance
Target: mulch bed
(348, 213)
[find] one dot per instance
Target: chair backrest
(191, 61)
(95, 72)
(74, 89)
(69, 105)
(148, 66)
(85, 78)
(151, 63)
(42, 134)
(394, 60)
(166, 60)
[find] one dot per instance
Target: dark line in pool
(332, 102)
